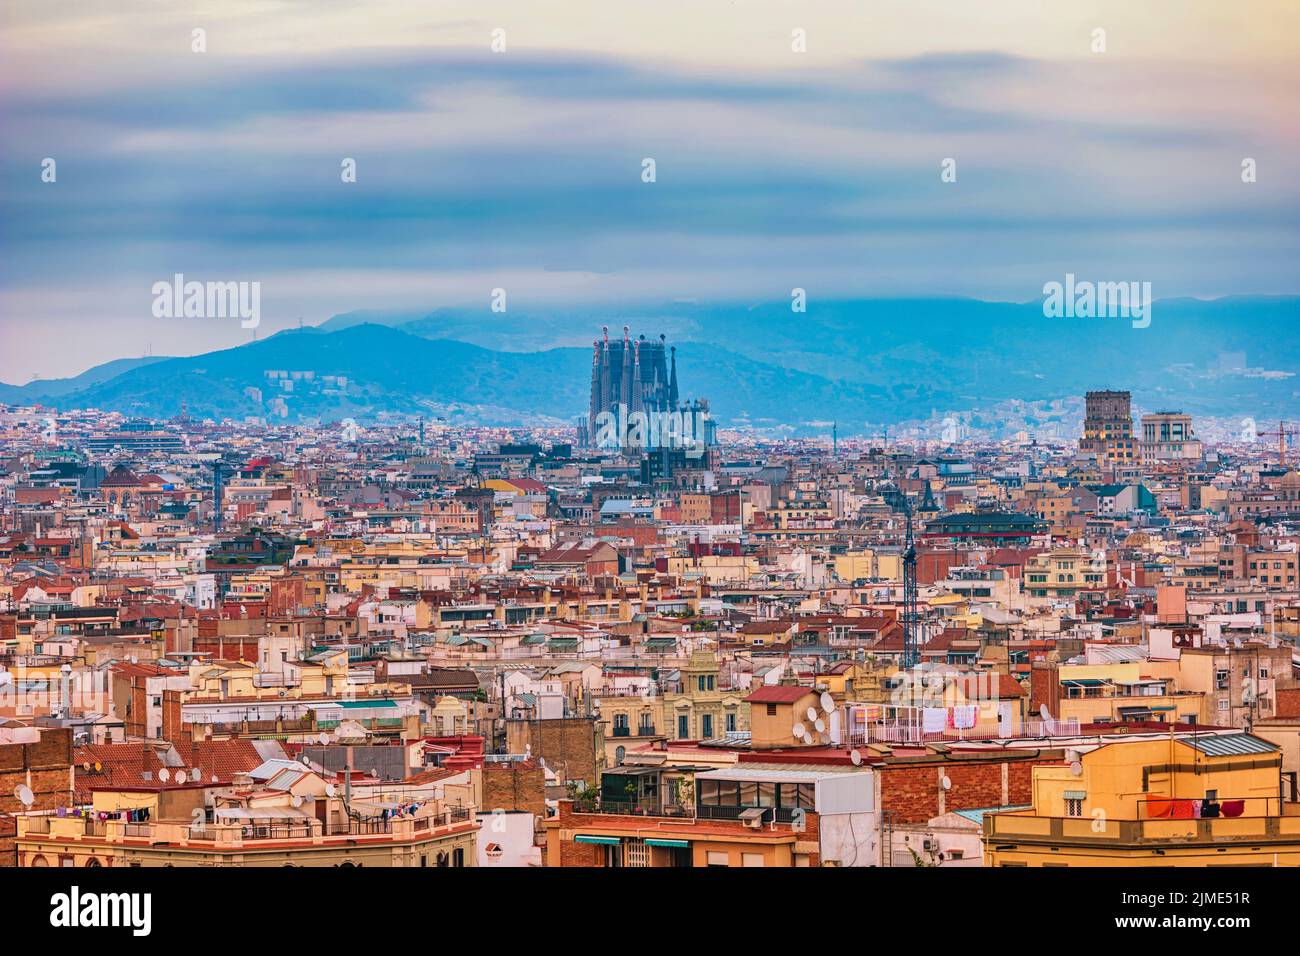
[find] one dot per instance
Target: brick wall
(515, 786)
(1044, 688)
(45, 766)
(914, 793)
(569, 746)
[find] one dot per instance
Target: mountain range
(862, 363)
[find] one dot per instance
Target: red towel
(1183, 810)
(1233, 808)
(1158, 808)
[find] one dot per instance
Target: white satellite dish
(828, 702)
(798, 729)
(1043, 712)
(164, 775)
(1076, 768)
(324, 738)
(331, 790)
(24, 795)
(297, 800)
(812, 713)
(946, 783)
(820, 725)
(855, 756)
(825, 738)
(196, 775)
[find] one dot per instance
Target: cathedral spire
(672, 380)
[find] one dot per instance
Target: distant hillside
(41, 388)
(861, 363)
(368, 370)
(977, 353)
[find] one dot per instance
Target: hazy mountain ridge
(855, 362)
(387, 370)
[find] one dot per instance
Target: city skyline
(522, 170)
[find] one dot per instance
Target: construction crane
(222, 468)
(1283, 432)
(911, 619)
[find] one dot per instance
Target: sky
(522, 168)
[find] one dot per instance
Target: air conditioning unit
(753, 818)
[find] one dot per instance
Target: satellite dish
(196, 775)
(820, 725)
(324, 738)
(1076, 768)
(798, 729)
(946, 783)
(24, 795)
(331, 790)
(855, 756)
(297, 800)
(164, 775)
(828, 702)
(825, 738)
(1043, 712)
(812, 713)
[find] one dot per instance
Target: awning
(1076, 795)
(675, 844)
(603, 840)
(262, 814)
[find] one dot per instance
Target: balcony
(642, 808)
(723, 812)
(233, 834)
(1265, 819)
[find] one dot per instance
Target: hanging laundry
(964, 716)
(1233, 808)
(1183, 810)
(1209, 808)
(1159, 808)
(934, 720)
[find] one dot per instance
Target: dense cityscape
(670, 644)
(536, 439)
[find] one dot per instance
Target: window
(717, 858)
(771, 710)
(683, 727)
(731, 722)
(706, 726)
(1073, 807)
(751, 859)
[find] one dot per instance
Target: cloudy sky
(522, 169)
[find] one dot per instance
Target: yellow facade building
(1192, 800)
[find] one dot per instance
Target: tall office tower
(1108, 428)
(640, 375)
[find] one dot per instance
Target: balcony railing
(1166, 831)
(731, 812)
(230, 832)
